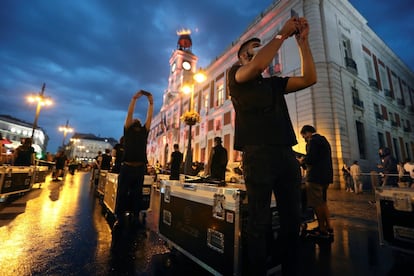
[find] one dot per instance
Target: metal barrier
(374, 179)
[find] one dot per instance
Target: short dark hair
(243, 45)
(307, 128)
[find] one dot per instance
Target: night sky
(94, 55)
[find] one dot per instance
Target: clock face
(186, 65)
(173, 67)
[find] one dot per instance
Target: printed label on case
(403, 233)
(402, 202)
(166, 217)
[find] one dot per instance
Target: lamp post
(65, 129)
(40, 100)
(191, 117)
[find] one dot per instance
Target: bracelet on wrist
(280, 37)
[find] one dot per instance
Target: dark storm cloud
(94, 55)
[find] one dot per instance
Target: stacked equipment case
(111, 189)
(208, 224)
(40, 174)
(20, 179)
(101, 182)
(395, 209)
(15, 180)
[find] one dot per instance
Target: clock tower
(183, 65)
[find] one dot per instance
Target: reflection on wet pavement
(62, 229)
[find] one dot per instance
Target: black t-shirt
(262, 116)
(119, 152)
(106, 161)
(135, 144)
(219, 158)
(24, 156)
(176, 160)
(60, 161)
(319, 160)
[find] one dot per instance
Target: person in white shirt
(355, 171)
(409, 168)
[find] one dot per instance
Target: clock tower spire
(183, 64)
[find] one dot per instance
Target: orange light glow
(184, 32)
(66, 129)
(187, 89)
(40, 100)
(199, 77)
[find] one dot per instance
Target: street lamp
(65, 129)
(40, 100)
(191, 117)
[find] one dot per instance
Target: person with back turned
(118, 155)
(264, 133)
(318, 161)
(218, 161)
(176, 162)
(131, 176)
(24, 155)
(389, 167)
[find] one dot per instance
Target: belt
(134, 164)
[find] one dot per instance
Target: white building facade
(15, 130)
(85, 147)
(363, 100)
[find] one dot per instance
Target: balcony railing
(379, 116)
(394, 124)
(351, 64)
(373, 83)
(400, 102)
(388, 94)
(358, 102)
(407, 129)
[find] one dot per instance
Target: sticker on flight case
(167, 194)
(166, 217)
(230, 217)
(218, 206)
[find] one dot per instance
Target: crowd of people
(390, 172)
